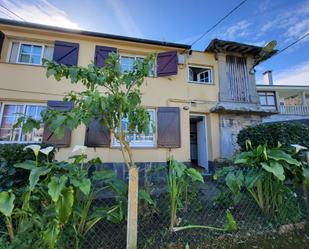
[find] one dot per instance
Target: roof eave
(91, 33)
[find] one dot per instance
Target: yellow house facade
(193, 90)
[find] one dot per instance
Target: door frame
(206, 135)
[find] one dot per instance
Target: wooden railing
(294, 110)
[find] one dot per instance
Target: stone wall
(230, 126)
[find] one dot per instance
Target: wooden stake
(132, 208)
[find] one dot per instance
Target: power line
(7, 9)
(293, 43)
(1, 11)
(32, 92)
(221, 20)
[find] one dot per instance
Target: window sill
(146, 147)
(23, 64)
(201, 83)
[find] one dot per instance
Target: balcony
(301, 110)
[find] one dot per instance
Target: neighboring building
(196, 118)
(290, 102)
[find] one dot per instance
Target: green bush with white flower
(264, 174)
(57, 202)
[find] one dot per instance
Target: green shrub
(272, 133)
(11, 154)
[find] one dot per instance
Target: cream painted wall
(26, 83)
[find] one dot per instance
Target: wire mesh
(207, 204)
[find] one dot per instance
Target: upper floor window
(267, 99)
(9, 113)
(30, 53)
(202, 75)
(127, 64)
(139, 139)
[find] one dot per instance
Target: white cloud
(297, 75)
(236, 31)
(38, 11)
(124, 18)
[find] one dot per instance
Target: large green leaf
(36, 173)
(29, 165)
(178, 168)
(143, 195)
(278, 155)
(194, 175)
(230, 224)
(7, 203)
(84, 184)
(103, 174)
(64, 204)
(55, 186)
(235, 180)
(306, 176)
(50, 235)
(275, 168)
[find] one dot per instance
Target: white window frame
(20, 42)
(24, 104)
(211, 82)
(135, 58)
(116, 144)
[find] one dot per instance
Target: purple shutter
(97, 135)
(1, 41)
(48, 135)
(66, 53)
(101, 53)
(167, 63)
(169, 127)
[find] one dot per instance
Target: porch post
(132, 208)
(304, 99)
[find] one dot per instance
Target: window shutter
(169, 127)
(97, 135)
(1, 41)
(167, 63)
(101, 53)
(66, 53)
(48, 135)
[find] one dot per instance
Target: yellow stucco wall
(27, 83)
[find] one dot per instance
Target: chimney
(268, 77)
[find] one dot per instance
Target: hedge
(10, 154)
(272, 133)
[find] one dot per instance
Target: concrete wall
(26, 83)
(230, 126)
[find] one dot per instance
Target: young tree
(109, 96)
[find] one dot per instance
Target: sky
(256, 22)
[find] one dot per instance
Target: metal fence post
(132, 208)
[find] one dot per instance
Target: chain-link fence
(206, 204)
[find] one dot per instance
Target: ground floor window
(9, 113)
(139, 139)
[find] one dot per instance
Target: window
(267, 99)
(201, 75)
(9, 113)
(139, 139)
(28, 53)
(127, 64)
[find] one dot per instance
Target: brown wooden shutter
(1, 41)
(97, 135)
(169, 127)
(101, 53)
(66, 53)
(167, 63)
(48, 135)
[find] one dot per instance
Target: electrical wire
(7, 9)
(292, 44)
(221, 20)
(32, 92)
(1, 11)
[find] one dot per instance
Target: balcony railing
(294, 110)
